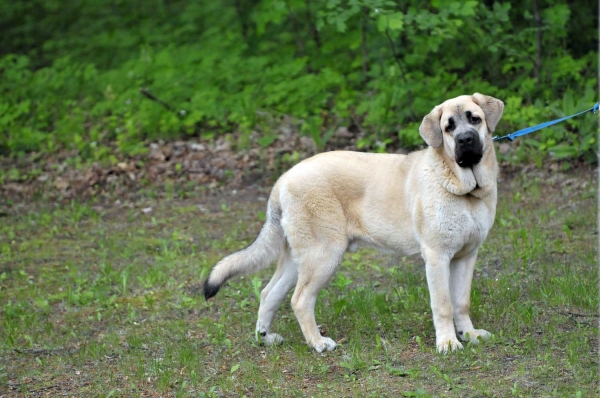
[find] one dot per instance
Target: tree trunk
(313, 28)
(538, 53)
(296, 27)
(363, 45)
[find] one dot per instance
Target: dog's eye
(450, 127)
(473, 119)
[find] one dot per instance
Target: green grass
(106, 301)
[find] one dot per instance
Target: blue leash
(511, 137)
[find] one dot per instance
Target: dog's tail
(265, 249)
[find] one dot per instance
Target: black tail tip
(210, 290)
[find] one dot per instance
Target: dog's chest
(462, 227)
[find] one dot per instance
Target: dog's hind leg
(317, 266)
(272, 296)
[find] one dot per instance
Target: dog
(439, 201)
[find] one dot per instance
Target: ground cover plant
(105, 300)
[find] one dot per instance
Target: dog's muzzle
(468, 149)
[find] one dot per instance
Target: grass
(106, 301)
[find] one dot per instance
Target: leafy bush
(86, 74)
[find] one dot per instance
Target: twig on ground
(43, 389)
(581, 315)
(572, 315)
(48, 351)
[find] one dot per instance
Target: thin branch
(410, 99)
(149, 95)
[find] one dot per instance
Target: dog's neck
(478, 181)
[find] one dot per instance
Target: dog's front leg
(461, 275)
(438, 278)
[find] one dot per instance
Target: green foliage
(85, 75)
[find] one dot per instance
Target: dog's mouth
(468, 159)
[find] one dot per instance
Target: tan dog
(440, 202)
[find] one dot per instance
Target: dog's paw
(324, 344)
(269, 339)
(475, 335)
(448, 345)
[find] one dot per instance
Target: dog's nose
(469, 150)
(465, 139)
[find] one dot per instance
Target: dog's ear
(492, 108)
(430, 128)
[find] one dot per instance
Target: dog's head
(464, 126)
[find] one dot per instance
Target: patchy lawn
(106, 301)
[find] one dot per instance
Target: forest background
(99, 76)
